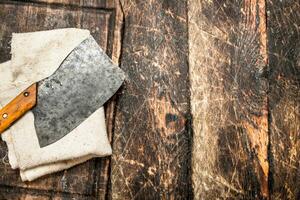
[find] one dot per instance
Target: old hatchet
(84, 81)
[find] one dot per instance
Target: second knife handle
(18, 107)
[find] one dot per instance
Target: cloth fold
(36, 56)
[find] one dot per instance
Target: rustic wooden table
(210, 107)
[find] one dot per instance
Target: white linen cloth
(36, 56)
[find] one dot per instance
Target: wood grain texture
(228, 60)
(13, 193)
(238, 107)
(284, 97)
(152, 135)
(104, 20)
(18, 107)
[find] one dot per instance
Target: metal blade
(83, 83)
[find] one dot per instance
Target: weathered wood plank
(284, 98)
(228, 95)
(12, 193)
(152, 138)
(92, 3)
(44, 17)
(90, 178)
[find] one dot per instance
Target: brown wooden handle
(18, 107)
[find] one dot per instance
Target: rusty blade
(85, 80)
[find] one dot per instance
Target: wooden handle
(18, 107)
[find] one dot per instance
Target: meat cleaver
(84, 81)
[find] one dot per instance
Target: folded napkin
(35, 56)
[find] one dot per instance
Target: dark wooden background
(150, 120)
(245, 70)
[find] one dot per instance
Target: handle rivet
(26, 94)
(5, 115)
